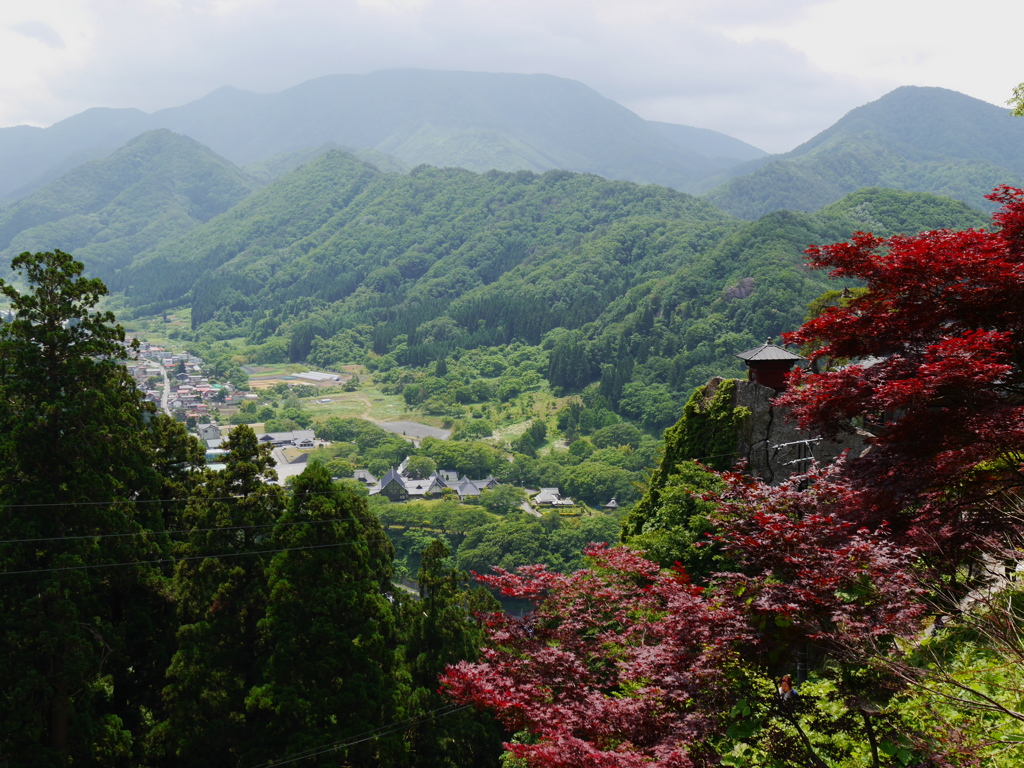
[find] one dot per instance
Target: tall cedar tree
(445, 627)
(78, 451)
(220, 588)
(937, 342)
(330, 634)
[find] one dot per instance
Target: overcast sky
(770, 72)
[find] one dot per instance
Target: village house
(551, 497)
(397, 486)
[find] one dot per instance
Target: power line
(192, 557)
(176, 531)
(376, 733)
(117, 502)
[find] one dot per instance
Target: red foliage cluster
(939, 337)
(622, 665)
(618, 665)
(807, 573)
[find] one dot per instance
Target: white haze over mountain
(770, 72)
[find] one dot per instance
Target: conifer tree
(77, 456)
(445, 627)
(330, 632)
(220, 585)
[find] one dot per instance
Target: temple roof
(767, 351)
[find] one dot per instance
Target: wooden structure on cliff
(768, 365)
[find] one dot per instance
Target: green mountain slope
(338, 230)
(646, 290)
(678, 332)
(917, 139)
(154, 189)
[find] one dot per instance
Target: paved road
(166, 395)
(414, 429)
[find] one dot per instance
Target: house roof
(392, 476)
(547, 496)
(286, 437)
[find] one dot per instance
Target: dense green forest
(645, 290)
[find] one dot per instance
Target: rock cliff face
(771, 444)
(728, 421)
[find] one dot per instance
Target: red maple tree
(625, 665)
(937, 344)
(808, 575)
(619, 665)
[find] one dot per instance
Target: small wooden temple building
(768, 365)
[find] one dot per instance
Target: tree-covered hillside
(648, 291)
(154, 189)
(919, 139)
(389, 247)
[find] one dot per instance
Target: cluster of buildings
(213, 437)
(176, 381)
(396, 485)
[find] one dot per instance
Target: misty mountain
(154, 189)
(918, 139)
(709, 143)
(473, 120)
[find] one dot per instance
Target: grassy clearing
(366, 402)
(277, 369)
(156, 329)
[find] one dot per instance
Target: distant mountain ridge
(474, 120)
(913, 138)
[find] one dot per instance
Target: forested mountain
(646, 290)
(919, 139)
(338, 229)
(154, 189)
(472, 120)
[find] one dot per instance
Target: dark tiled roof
(767, 351)
(392, 476)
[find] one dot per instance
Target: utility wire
(192, 557)
(376, 733)
(153, 501)
(177, 531)
(380, 730)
